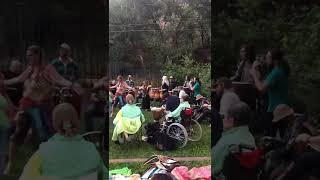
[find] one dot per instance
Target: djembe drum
(157, 94)
(151, 93)
(154, 94)
(157, 115)
(246, 92)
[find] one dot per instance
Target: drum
(157, 114)
(151, 93)
(157, 94)
(154, 93)
(246, 92)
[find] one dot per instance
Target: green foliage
(188, 28)
(189, 67)
(290, 25)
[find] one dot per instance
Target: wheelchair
(243, 165)
(183, 128)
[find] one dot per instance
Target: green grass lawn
(201, 148)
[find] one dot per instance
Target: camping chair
(95, 137)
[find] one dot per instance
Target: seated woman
(128, 120)
(182, 106)
(66, 154)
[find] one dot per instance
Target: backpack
(166, 143)
(152, 132)
(160, 139)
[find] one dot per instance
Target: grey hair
(241, 113)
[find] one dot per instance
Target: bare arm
(100, 82)
(21, 78)
(260, 85)
(126, 86)
(55, 77)
(315, 139)
(114, 86)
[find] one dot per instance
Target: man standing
(14, 91)
(173, 83)
(228, 97)
(65, 65)
(129, 81)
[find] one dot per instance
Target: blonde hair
(130, 99)
(35, 49)
(65, 119)
(165, 80)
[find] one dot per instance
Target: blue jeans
(120, 100)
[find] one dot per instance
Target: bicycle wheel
(178, 132)
(194, 131)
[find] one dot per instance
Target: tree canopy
(147, 35)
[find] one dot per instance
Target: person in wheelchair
(169, 103)
(128, 121)
(175, 115)
(67, 154)
(236, 132)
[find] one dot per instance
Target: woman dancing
(39, 79)
(121, 86)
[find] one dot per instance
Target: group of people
(233, 117)
(130, 117)
(27, 107)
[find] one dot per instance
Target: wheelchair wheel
(178, 132)
(194, 130)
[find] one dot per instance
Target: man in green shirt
(236, 132)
